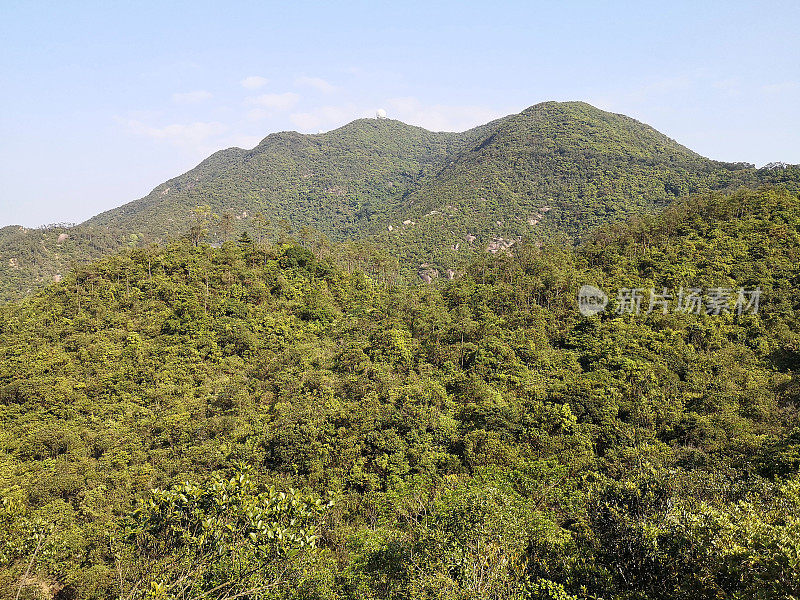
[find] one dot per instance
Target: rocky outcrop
(427, 273)
(499, 244)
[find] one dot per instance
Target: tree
(220, 540)
(202, 220)
(226, 226)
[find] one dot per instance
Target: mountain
(554, 170)
(326, 181)
(193, 422)
(427, 200)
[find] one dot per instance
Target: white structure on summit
(380, 114)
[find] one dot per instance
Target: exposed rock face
(538, 216)
(427, 273)
(499, 244)
(63, 238)
(451, 274)
(470, 238)
(336, 190)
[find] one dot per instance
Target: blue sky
(102, 101)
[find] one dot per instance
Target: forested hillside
(552, 172)
(326, 181)
(255, 421)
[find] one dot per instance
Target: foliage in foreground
(481, 439)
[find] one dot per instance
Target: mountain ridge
(556, 169)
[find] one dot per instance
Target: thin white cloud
(663, 91)
(240, 140)
(316, 83)
(731, 86)
(191, 97)
(440, 117)
(325, 117)
(274, 102)
(436, 117)
(781, 88)
(196, 136)
(656, 100)
(253, 82)
(258, 114)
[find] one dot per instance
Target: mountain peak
(554, 169)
